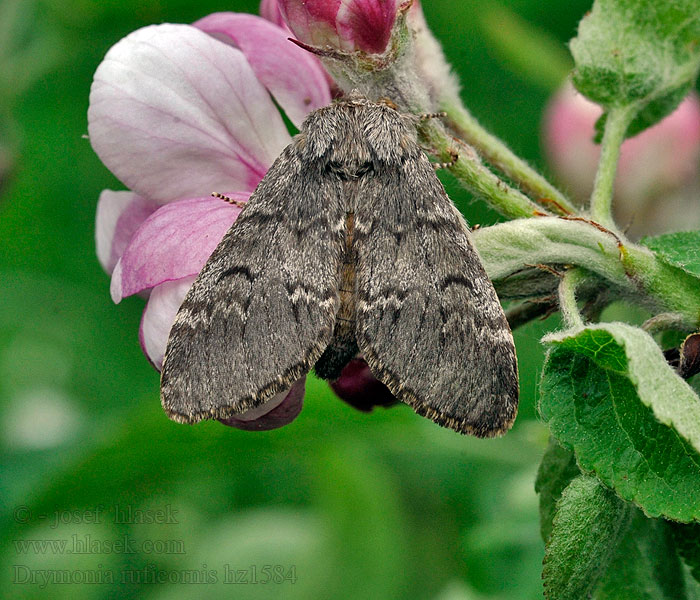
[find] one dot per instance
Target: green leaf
(645, 565)
(587, 528)
(681, 249)
(687, 538)
(608, 393)
(557, 469)
(638, 52)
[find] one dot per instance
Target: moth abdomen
(343, 346)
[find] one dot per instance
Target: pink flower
(177, 112)
(345, 25)
(270, 10)
(654, 169)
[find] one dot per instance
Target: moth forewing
(262, 309)
(349, 241)
(429, 322)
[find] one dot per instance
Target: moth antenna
(238, 203)
(436, 115)
(628, 226)
(327, 52)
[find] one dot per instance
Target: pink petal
(665, 155)
(175, 113)
(174, 242)
(280, 410)
(313, 21)
(294, 76)
(119, 215)
(367, 22)
(270, 10)
(159, 316)
(568, 131)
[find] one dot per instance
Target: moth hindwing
(348, 244)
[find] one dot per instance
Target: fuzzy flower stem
(637, 273)
(476, 177)
(498, 154)
(617, 121)
(567, 298)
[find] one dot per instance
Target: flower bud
(360, 389)
(656, 183)
(348, 26)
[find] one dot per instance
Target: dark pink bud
(360, 389)
(347, 26)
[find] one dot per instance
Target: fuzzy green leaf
(645, 565)
(608, 393)
(557, 469)
(638, 52)
(587, 528)
(681, 249)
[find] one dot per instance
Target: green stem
(634, 270)
(616, 124)
(567, 298)
(499, 155)
(477, 178)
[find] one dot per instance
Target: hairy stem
(471, 172)
(567, 298)
(503, 158)
(616, 123)
(631, 269)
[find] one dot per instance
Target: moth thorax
(350, 165)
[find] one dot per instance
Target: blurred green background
(339, 504)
